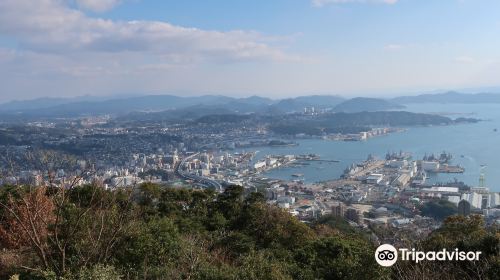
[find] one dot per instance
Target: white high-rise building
(475, 199)
(494, 200)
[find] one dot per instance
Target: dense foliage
(355, 122)
(467, 234)
(154, 232)
(387, 118)
(439, 210)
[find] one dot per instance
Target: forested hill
(389, 118)
(356, 122)
(155, 232)
(363, 104)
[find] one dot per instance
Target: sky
(272, 48)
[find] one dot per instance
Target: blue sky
(273, 48)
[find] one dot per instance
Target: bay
(472, 145)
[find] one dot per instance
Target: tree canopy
(156, 232)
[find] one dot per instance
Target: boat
(298, 175)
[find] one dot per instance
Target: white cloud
(465, 59)
(98, 5)
(321, 3)
(52, 26)
(393, 47)
(61, 51)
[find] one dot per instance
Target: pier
(450, 169)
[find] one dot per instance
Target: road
(199, 179)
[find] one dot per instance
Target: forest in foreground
(155, 232)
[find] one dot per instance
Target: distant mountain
(44, 102)
(363, 104)
(256, 100)
(299, 103)
(320, 101)
(357, 122)
(150, 103)
(186, 113)
(449, 97)
(93, 105)
(53, 107)
(247, 105)
(286, 105)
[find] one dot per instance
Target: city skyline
(67, 48)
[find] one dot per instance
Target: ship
(308, 157)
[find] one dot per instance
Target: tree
(151, 232)
(339, 257)
(439, 209)
(25, 223)
(147, 196)
(99, 272)
(261, 265)
(73, 227)
(230, 202)
(149, 248)
(465, 234)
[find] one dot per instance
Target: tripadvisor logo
(386, 255)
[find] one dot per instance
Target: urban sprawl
(382, 196)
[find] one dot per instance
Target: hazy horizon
(263, 95)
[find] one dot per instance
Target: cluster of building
(370, 194)
(384, 193)
(363, 135)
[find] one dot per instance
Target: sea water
(472, 145)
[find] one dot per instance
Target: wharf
(451, 169)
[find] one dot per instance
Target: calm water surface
(471, 144)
